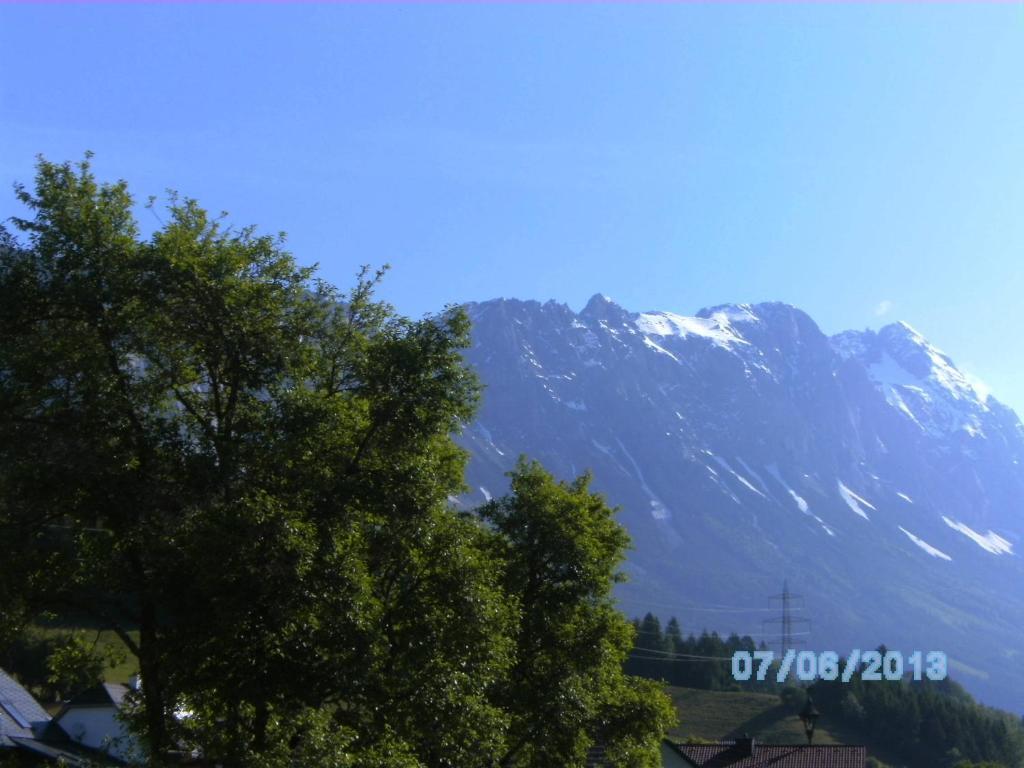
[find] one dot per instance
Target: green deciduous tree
(76, 662)
(245, 474)
(562, 549)
(200, 441)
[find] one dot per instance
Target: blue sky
(864, 162)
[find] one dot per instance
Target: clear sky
(864, 162)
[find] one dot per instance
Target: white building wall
(99, 728)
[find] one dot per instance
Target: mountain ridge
(745, 446)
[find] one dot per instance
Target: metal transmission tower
(788, 638)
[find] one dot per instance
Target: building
(92, 720)
(747, 753)
(671, 757)
(21, 716)
(86, 731)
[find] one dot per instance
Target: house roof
(102, 695)
(20, 714)
(55, 751)
(729, 755)
(25, 724)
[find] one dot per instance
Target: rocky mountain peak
(601, 307)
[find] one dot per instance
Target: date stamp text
(828, 665)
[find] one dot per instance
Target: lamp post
(809, 716)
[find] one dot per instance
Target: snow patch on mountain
(801, 503)
(990, 542)
(821, 522)
(715, 477)
(733, 313)
(888, 372)
(658, 510)
(590, 340)
(925, 545)
(725, 465)
(753, 474)
(657, 348)
(853, 501)
(849, 344)
(942, 372)
(488, 439)
(917, 379)
(715, 329)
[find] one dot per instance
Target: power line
(709, 608)
(674, 654)
(667, 656)
(741, 635)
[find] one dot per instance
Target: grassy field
(123, 671)
(718, 715)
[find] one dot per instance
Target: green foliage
(17, 758)
(75, 663)
(927, 724)
(852, 711)
(26, 656)
(244, 473)
(200, 441)
(58, 664)
(562, 549)
(667, 655)
(793, 698)
(635, 715)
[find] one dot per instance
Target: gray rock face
(744, 446)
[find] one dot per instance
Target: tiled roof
(19, 711)
(729, 755)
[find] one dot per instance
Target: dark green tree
(673, 635)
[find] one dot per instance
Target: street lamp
(809, 716)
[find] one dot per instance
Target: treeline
(929, 724)
(702, 661)
(245, 474)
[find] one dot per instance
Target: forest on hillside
(929, 724)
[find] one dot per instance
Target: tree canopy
(246, 474)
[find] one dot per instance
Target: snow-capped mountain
(744, 446)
